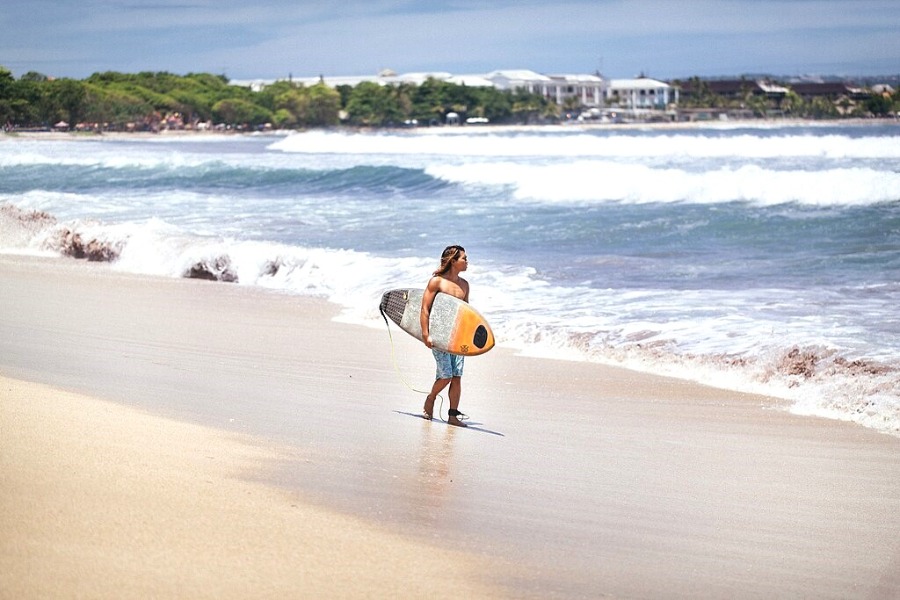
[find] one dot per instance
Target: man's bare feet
(428, 409)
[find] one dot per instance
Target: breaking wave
(529, 314)
(606, 181)
(606, 144)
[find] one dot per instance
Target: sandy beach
(178, 438)
(102, 501)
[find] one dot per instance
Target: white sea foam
(710, 337)
(785, 324)
(587, 145)
(46, 153)
(115, 155)
(598, 181)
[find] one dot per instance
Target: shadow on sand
(474, 426)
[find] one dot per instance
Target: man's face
(462, 261)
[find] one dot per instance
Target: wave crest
(607, 143)
(607, 181)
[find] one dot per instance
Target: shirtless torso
(450, 283)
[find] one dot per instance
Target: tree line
(150, 101)
(155, 100)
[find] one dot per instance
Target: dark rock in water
(861, 367)
(21, 227)
(218, 270)
(799, 362)
(71, 243)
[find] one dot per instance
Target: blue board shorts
(448, 365)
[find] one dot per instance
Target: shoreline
(54, 135)
(596, 480)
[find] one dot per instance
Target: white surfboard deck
(455, 326)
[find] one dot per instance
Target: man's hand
(428, 341)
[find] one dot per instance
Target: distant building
(520, 79)
(586, 89)
(255, 85)
(385, 77)
(734, 89)
(640, 93)
(831, 90)
(470, 80)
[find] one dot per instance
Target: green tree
(429, 101)
(7, 83)
(28, 101)
(345, 92)
(323, 106)
(496, 105)
(529, 108)
(373, 105)
(821, 108)
(239, 112)
(114, 108)
(292, 100)
(792, 103)
(315, 106)
(284, 119)
(700, 95)
(759, 104)
(268, 95)
(34, 76)
(879, 105)
(65, 98)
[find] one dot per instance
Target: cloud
(275, 37)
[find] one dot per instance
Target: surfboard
(455, 326)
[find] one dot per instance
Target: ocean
(761, 258)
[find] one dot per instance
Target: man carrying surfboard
(449, 366)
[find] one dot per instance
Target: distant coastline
(50, 134)
(156, 102)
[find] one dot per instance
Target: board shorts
(448, 365)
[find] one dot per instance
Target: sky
(275, 39)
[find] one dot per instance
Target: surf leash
(400, 375)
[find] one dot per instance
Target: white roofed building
(255, 85)
(470, 80)
(587, 90)
(418, 78)
(518, 79)
(640, 93)
(386, 77)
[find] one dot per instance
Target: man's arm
(431, 291)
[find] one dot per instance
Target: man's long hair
(450, 254)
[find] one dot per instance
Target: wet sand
(220, 433)
(104, 501)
